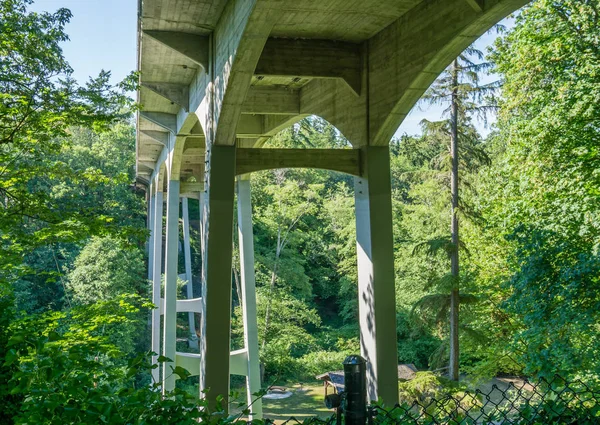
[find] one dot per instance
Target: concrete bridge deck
(219, 77)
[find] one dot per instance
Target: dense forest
(74, 295)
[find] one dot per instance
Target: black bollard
(355, 382)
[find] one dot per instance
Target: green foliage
(69, 372)
(543, 228)
(9, 403)
(40, 103)
(426, 386)
(287, 336)
(556, 293)
(104, 268)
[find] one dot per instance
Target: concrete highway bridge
(218, 78)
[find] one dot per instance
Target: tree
(544, 189)
(40, 103)
(105, 268)
(459, 86)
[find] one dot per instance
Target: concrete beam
(191, 362)
(162, 119)
(147, 164)
(193, 46)
(236, 55)
(191, 187)
(250, 126)
(343, 160)
(312, 58)
(238, 362)
(477, 5)
(255, 126)
(193, 305)
(271, 100)
(161, 137)
(178, 94)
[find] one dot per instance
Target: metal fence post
(355, 382)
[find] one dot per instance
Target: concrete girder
(238, 360)
(161, 137)
(234, 59)
(148, 164)
(477, 5)
(332, 101)
(255, 126)
(178, 94)
(191, 187)
(407, 56)
(276, 126)
(166, 121)
(192, 46)
(312, 58)
(271, 100)
(342, 160)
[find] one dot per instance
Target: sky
(103, 35)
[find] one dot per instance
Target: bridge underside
(218, 78)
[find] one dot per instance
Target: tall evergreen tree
(460, 88)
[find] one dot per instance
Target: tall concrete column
(193, 339)
(201, 203)
(170, 306)
(376, 288)
(156, 279)
(151, 213)
(246, 239)
(216, 282)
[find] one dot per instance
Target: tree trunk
(454, 295)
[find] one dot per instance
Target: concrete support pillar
(216, 270)
(193, 339)
(246, 239)
(170, 307)
(201, 204)
(376, 288)
(156, 279)
(151, 213)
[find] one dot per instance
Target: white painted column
(151, 213)
(201, 205)
(170, 306)
(376, 287)
(216, 280)
(156, 279)
(246, 239)
(193, 339)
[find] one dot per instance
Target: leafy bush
(68, 371)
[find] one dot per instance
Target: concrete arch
(458, 24)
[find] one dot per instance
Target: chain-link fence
(545, 402)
